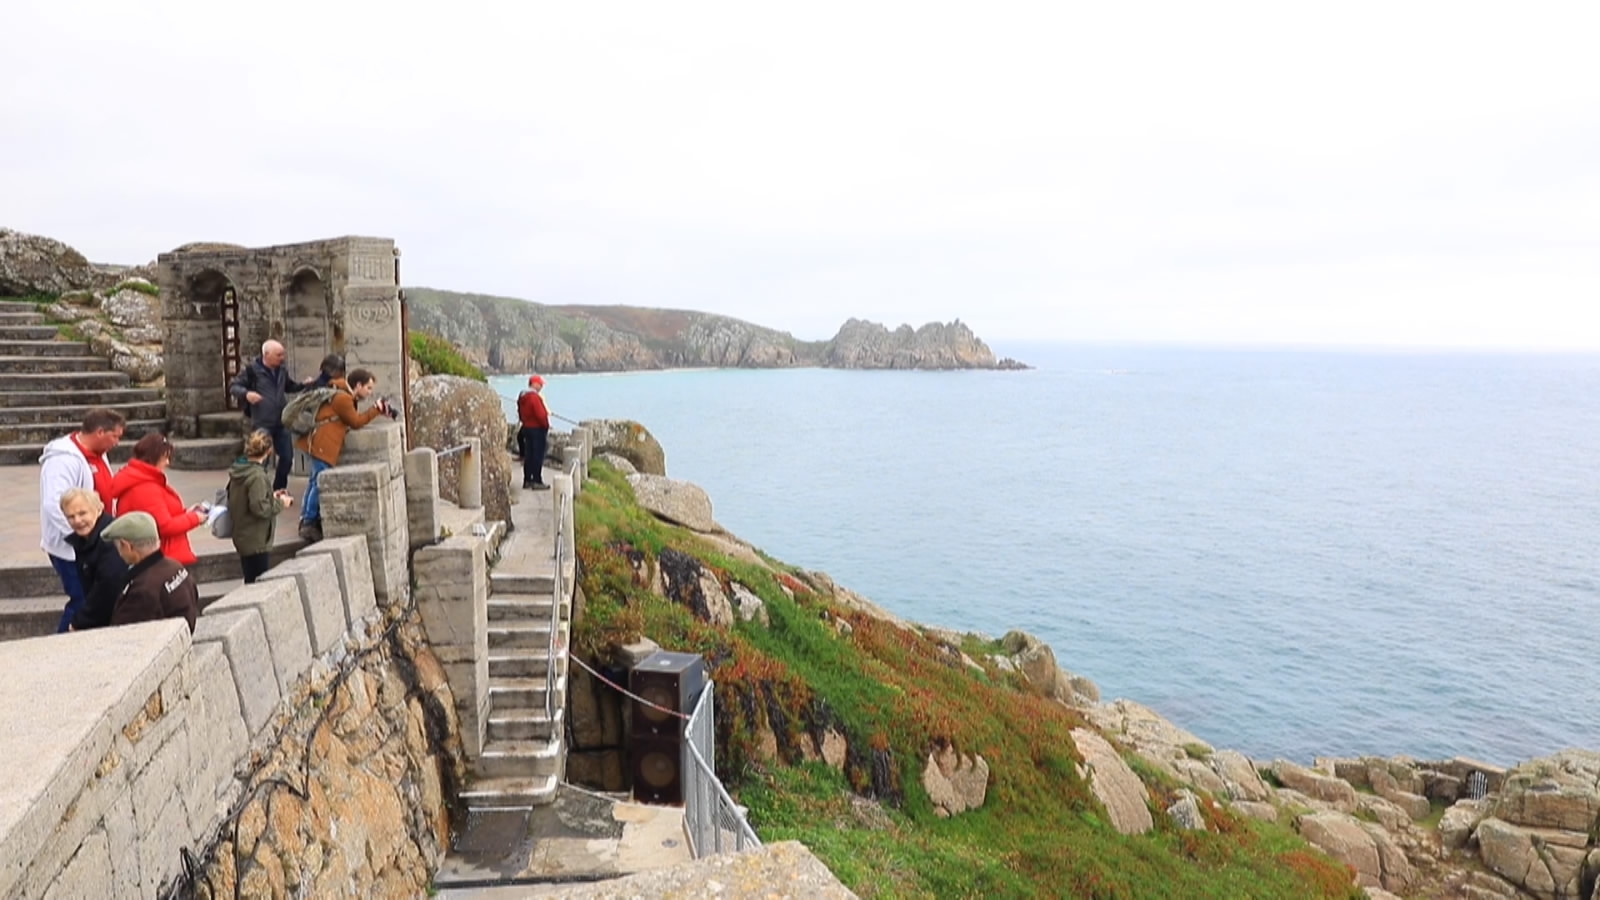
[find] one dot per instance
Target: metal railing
(712, 821)
(557, 594)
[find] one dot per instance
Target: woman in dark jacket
(100, 567)
(253, 506)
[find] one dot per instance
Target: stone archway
(309, 329)
(214, 303)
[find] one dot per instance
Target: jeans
(283, 447)
(67, 571)
(312, 510)
(534, 442)
(254, 566)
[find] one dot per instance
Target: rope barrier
(625, 691)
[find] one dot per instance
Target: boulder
(1197, 774)
(1560, 792)
(448, 409)
(748, 605)
(629, 440)
(955, 783)
(688, 583)
(1037, 663)
(1116, 787)
(1341, 836)
(1334, 791)
(1266, 812)
(676, 501)
(1547, 863)
(129, 308)
(1239, 775)
(1146, 730)
(1460, 820)
(620, 463)
(1387, 814)
(33, 264)
(1185, 812)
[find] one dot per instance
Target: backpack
(222, 522)
(300, 416)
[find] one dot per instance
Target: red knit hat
(535, 381)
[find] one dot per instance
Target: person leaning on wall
(254, 506)
(158, 588)
(335, 420)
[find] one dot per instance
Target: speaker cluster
(658, 740)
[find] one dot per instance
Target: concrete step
(72, 414)
(525, 608)
(506, 583)
(28, 333)
(42, 347)
(205, 454)
(508, 694)
(18, 306)
(524, 725)
(519, 759)
(22, 315)
(34, 382)
(38, 616)
(510, 793)
(19, 583)
(112, 397)
(520, 664)
(79, 363)
(231, 424)
(533, 637)
(41, 433)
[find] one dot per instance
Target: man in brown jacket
(326, 440)
(158, 587)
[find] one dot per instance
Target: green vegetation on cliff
(824, 666)
(438, 356)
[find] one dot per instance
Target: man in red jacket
(534, 437)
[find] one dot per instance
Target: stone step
(44, 347)
(22, 315)
(530, 636)
(508, 694)
(41, 433)
(28, 617)
(86, 398)
(525, 608)
(205, 454)
(79, 363)
(520, 664)
(18, 306)
(28, 333)
(19, 583)
(231, 424)
(510, 793)
(525, 725)
(508, 583)
(519, 759)
(72, 414)
(34, 382)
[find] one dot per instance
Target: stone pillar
(453, 601)
(422, 496)
(367, 500)
(469, 487)
(585, 441)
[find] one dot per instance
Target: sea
(1292, 553)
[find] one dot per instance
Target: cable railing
(712, 821)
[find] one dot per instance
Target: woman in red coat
(142, 486)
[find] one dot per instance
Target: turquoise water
(1290, 553)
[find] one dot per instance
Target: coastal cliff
(504, 334)
(923, 761)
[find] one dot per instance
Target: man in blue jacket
(263, 387)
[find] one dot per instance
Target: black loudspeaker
(670, 680)
(656, 748)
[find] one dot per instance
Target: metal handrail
(707, 808)
(557, 595)
(459, 448)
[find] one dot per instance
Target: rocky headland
(1393, 826)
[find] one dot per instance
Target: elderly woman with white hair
(100, 568)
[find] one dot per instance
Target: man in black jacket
(263, 387)
(158, 587)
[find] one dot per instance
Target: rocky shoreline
(1406, 827)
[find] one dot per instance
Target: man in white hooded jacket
(77, 460)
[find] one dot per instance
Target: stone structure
(219, 303)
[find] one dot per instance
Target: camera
(388, 407)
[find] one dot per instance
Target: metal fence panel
(714, 823)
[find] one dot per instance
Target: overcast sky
(1388, 173)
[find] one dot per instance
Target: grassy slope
(895, 694)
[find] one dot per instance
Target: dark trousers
(254, 566)
(67, 571)
(283, 447)
(533, 442)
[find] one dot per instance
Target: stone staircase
(524, 750)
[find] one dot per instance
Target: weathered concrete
(284, 619)
(452, 597)
(318, 584)
(422, 496)
(363, 500)
(244, 642)
(354, 568)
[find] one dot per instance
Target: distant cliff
(504, 334)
